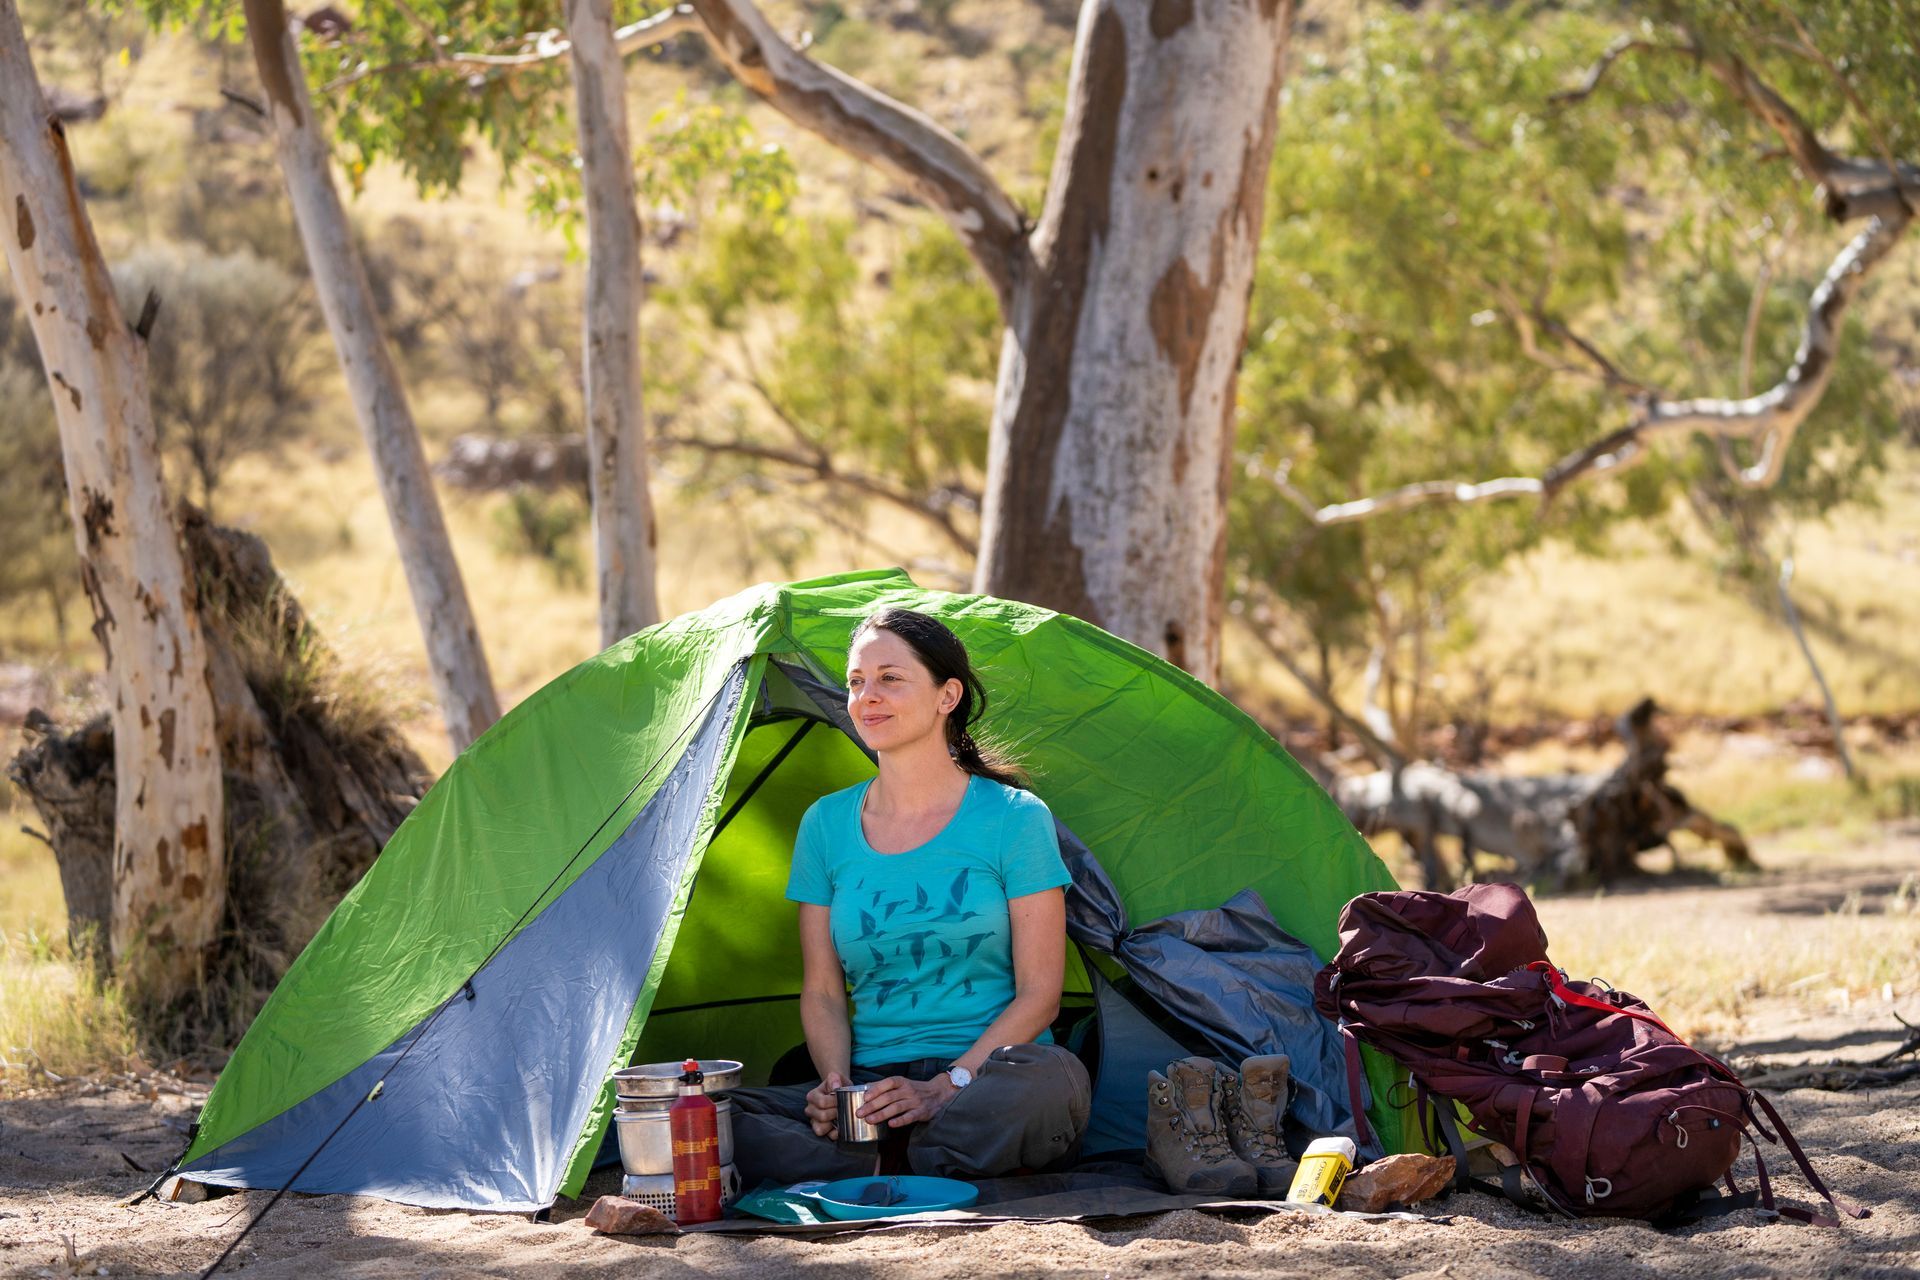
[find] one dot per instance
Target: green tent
(602, 873)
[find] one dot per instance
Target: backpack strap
(1834, 1202)
(1564, 994)
(1434, 1135)
(1356, 1086)
(1520, 1097)
(1711, 1204)
(1512, 1185)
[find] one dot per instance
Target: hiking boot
(1256, 1109)
(1186, 1136)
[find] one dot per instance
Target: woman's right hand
(823, 1111)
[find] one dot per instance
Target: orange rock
(619, 1216)
(1402, 1179)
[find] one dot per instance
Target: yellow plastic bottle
(1323, 1171)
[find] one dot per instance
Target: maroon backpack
(1610, 1112)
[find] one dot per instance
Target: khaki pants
(1025, 1110)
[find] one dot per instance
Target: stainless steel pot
(646, 1139)
(652, 1080)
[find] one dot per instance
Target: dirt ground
(68, 1154)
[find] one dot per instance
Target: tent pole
(779, 758)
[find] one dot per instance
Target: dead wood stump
(317, 780)
(1553, 828)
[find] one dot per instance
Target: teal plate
(910, 1193)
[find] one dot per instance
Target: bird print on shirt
(911, 934)
(917, 944)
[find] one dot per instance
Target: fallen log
(1838, 1076)
(1554, 828)
(485, 463)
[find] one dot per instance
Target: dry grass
(30, 898)
(1583, 636)
(54, 1018)
(1705, 978)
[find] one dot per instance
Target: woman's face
(892, 697)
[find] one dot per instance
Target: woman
(935, 891)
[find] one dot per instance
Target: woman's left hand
(898, 1101)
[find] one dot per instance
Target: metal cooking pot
(646, 1139)
(653, 1080)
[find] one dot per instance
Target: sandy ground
(67, 1155)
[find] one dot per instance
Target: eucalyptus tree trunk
(169, 857)
(455, 659)
(623, 529)
(1125, 309)
(1113, 422)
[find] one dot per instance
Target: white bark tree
(623, 526)
(169, 859)
(455, 659)
(1125, 306)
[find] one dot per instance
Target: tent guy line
(466, 987)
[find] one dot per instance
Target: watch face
(960, 1076)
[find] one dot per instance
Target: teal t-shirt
(924, 935)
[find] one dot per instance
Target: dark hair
(945, 658)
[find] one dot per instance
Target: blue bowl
(841, 1199)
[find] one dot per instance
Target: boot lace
(1257, 1143)
(1208, 1144)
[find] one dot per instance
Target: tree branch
(540, 48)
(1792, 615)
(427, 33)
(1856, 187)
(1773, 416)
(1778, 412)
(752, 378)
(1620, 48)
(1851, 94)
(820, 466)
(1529, 319)
(1425, 493)
(855, 117)
(870, 126)
(1259, 623)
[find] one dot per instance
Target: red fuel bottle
(695, 1126)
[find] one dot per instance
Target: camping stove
(655, 1190)
(644, 1129)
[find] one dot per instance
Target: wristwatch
(960, 1076)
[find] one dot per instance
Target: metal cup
(855, 1133)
